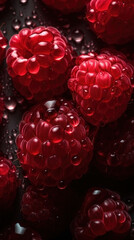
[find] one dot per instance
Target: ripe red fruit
(102, 213)
(112, 21)
(66, 6)
(8, 183)
(101, 86)
(3, 45)
(49, 210)
(2, 4)
(39, 62)
(53, 145)
(19, 232)
(114, 148)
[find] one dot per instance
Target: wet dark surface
(33, 13)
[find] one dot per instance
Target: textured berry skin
(111, 20)
(102, 213)
(3, 45)
(66, 6)
(2, 4)
(8, 183)
(49, 210)
(114, 148)
(53, 144)
(39, 62)
(18, 231)
(101, 86)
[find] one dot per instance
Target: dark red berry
(54, 145)
(101, 86)
(114, 148)
(66, 6)
(49, 210)
(112, 20)
(3, 45)
(39, 62)
(18, 231)
(8, 183)
(102, 213)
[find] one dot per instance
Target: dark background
(32, 13)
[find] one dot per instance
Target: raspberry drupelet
(102, 214)
(101, 85)
(3, 45)
(8, 184)
(39, 62)
(66, 6)
(49, 210)
(2, 4)
(112, 21)
(114, 149)
(54, 145)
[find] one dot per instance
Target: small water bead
(28, 21)
(10, 104)
(23, 1)
(62, 185)
(16, 24)
(78, 36)
(76, 160)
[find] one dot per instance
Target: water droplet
(23, 1)
(16, 24)
(62, 185)
(10, 104)
(76, 160)
(78, 36)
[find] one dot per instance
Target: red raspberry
(39, 61)
(3, 45)
(53, 145)
(19, 232)
(66, 6)
(114, 149)
(8, 183)
(102, 213)
(2, 4)
(48, 210)
(101, 86)
(112, 21)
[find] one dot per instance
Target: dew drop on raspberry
(91, 16)
(69, 129)
(61, 185)
(56, 134)
(76, 160)
(34, 146)
(90, 112)
(120, 216)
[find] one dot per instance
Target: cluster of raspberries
(58, 136)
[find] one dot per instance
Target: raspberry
(19, 232)
(112, 20)
(8, 183)
(49, 210)
(3, 45)
(114, 149)
(101, 86)
(39, 62)
(2, 4)
(66, 6)
(53, 144)
(102, 213)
